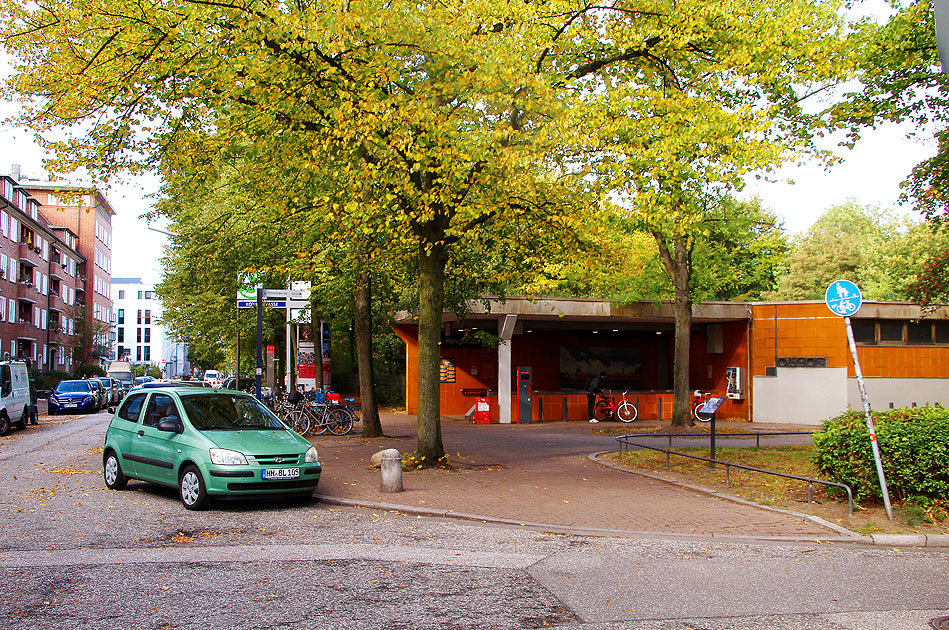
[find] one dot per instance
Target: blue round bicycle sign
(843, 298)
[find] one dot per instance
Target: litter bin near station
(482, 413)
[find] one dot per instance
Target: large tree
(720, 95)
(445, 122)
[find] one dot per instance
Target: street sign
(269, 303)
(247, 284)
(843, 298)
(284, 294)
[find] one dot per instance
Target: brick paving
(540, 473)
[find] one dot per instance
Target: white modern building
(139, 337)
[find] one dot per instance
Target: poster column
(306, 358)
(325, 354)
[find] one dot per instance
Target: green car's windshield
(226, 411)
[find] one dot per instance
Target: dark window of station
(891, 330)
(864, 330)
(942, 332)
(919, 332)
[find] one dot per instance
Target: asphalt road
(75, 555)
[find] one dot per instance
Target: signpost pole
(865, 399)
(260, 337)
(843, 298)
(712, 428)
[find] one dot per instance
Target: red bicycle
(699, 399)
(607, 408)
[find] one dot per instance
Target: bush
(87, 369)
(914, 449)
(47, 381)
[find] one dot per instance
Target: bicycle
(323, 417)
(699, 399)
(607, 407)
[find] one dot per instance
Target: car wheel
(4, 424)
(191, 489)
(21, 424)
(112, 472)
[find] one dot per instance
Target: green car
(206, 443)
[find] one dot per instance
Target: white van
(213, 377)
(14, 395)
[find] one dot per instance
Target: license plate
(280, 473)
(70, 404)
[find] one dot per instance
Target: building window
(919, 332)
(942, 332)
(138, 353)
(148, 353)
(891, 330)
(864, 330)
(138, 336)
(121, 294)
(121, 335)
(121, 316)
(148, 335)
(139, 316)
(140, 295)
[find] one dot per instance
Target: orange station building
(773, 361)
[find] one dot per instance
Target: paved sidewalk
(540, 474)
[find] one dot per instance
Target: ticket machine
(525, 387)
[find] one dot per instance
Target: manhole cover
(940, 623)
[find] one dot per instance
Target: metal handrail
(624, 441)
(754, 434)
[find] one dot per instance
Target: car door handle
(141, 433)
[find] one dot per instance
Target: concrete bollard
(391, 470)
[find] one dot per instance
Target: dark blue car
(72, 396)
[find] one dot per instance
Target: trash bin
(482, 411)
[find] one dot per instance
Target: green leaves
(913, 445)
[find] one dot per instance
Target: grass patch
(828, 503)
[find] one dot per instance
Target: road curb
(562, 529)
(887, 540)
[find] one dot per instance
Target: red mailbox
(482, 411)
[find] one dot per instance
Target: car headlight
(226, 457)
(88, 399)
(311, 455)
(53, 400)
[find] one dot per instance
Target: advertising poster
(325, 354)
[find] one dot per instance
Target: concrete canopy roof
(588, 313)
(580, 313)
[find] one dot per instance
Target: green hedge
(914, 449)
(47, 381)
(87, 369)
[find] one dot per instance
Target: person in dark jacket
(593, 389)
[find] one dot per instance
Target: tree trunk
(431, 305)
(371, 426)
(678, 266)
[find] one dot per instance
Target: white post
(504, 369)
(866, 411)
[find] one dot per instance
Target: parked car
(242, 385)
(100, 393)
(14, 395)
(74, 396)
(143, 379)
(207, 443)
(111, 387)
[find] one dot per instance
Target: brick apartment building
(86, 213)
(41, 281)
